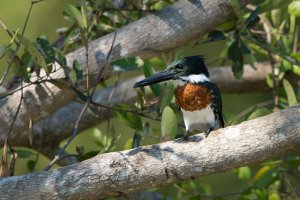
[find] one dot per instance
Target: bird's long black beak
(156, 78)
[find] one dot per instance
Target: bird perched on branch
(198, 98)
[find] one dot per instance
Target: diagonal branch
(117, 173)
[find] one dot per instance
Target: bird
(198, 98)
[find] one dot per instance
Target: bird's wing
(217, 103)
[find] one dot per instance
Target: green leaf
(88, 155)
(253, 19)
(288, 88)
(228, 24)
(236, 7)
(251, 59)
(136, 141)
(156, 62)
(276, 16)
(261, 193)
(293, 160)
(78, 71)
(238, 68)
(23, 153)
(234, 52)
(146, 129)
(269, 80)
(46, 50)
(127, 64)
(296, 70)
(19, 68)
(267, 178)
(132, 120)
(168, 122)
(80, 94)
(31, 165)
(84, 16)
(106, 20)
(61, 84)
(244, 49)
(294, 8)
(285, 66)
(35, 53)
(214, 36)
(160, 5)
(244, 173)
(258, 113)
(167, 95)
(148, 71)
(75, 14)
(60, 58)
(280, 52)
(274, 196)
(273, 4)
(230, 119)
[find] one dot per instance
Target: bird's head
(190, 69)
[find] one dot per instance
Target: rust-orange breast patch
(192, 97)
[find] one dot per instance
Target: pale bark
(160, 32)
(118, 173)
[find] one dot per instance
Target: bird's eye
(180, 66)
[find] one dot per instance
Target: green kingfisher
(198, 98)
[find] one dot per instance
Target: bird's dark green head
(193, 65)
(178, 69)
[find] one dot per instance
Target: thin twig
(109, 103)
(266, 26)
(105, 63)
(74, 134)
(296, 38)
(128, 9)
(3, 164)
(76, 127)
(40, 79)
(38, 152)
(16, 114)
(129, 111)
(8, 32)
(247, 110)
(12, 165)
(6, 144)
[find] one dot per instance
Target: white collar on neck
(195, 78)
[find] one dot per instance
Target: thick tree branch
(117, 173)
(156, 33)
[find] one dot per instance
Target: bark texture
(118, 173)
(174, 26)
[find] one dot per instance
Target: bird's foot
(206, 133)
(186, 135)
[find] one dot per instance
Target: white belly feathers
(199, 120)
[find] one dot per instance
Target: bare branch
(118, 173)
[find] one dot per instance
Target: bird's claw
(186, 136)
